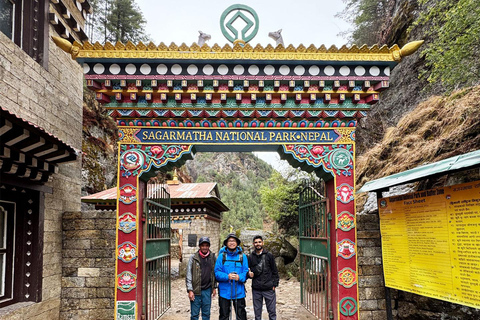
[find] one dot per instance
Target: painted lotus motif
(126, 281)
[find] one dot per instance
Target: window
(7, 8)
(24, 21)
(7, 226)
(20, 245)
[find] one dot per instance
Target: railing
(157, 252)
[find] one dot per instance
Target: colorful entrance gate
(172, 101)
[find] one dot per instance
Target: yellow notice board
(431, 243)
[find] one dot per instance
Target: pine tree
(116, 20)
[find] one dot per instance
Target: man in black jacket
(264, 274)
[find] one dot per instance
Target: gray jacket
(194, 273)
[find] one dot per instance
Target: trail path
(288, 303)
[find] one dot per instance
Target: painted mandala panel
(346, 221)
(347, 277)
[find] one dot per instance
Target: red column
(344, 239)
(134, 160)
(127, 248)
(337, 160)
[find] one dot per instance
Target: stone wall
(371, 289)
(201, 227)
(88, 273)
(52, 99)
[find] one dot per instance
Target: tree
(367, 17)
(116, 20)
(125, 22)
(280, 198)
(452, 54)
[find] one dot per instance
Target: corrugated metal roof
(177, 191)
(461, 162)
(192, 190)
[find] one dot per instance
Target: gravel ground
(288, 303)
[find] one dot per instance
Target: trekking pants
(270, 302)
(238, 305)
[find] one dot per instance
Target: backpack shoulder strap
(224, 257)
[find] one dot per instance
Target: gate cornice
(87, 50)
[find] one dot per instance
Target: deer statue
(277, 36)
(202, 38)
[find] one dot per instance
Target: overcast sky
(302, 22)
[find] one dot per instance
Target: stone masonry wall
(200, 227)
(370, 269)
(52, 99)
(88, 275)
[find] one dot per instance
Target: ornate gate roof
(149, 85)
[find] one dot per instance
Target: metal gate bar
(157, 252)
(314, 253)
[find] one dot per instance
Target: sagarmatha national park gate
(173, 101)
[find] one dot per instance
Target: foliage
(112, 20)
(452, 54)
(280, 197)
(367, 18)
(116, 20)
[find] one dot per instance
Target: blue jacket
(226, 287)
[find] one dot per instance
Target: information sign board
(431, 243)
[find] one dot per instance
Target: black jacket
(266, 273)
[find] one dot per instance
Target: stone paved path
(288, 303)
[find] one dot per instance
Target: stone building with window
(40, 143)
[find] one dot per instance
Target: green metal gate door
(157, 296)
(314, 252)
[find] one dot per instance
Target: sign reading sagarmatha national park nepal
(430, 243)
(236, 135)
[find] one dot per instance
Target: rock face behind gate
(88, 259)
(276, 244)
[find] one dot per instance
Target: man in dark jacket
(201, 280)
(231, 273)
(264, 274)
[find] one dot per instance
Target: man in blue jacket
(231, 271)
